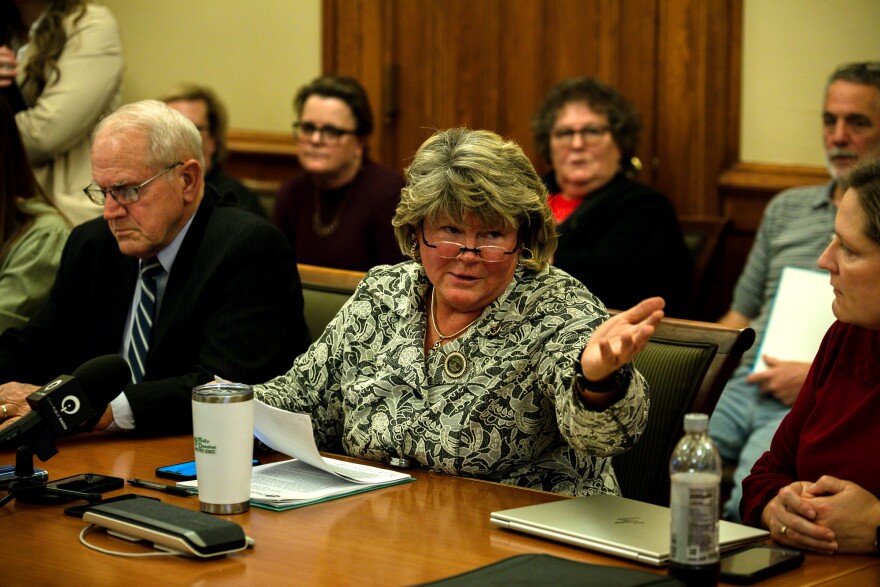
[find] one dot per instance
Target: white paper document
(308, 477)
(799, 317)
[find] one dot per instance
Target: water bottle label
(694, 532)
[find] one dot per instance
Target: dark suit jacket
(232, 191)
(232, 307)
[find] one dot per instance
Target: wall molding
(261, 142)
(763, 177)
(746, 187)
(261, 160)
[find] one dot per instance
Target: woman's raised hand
(622, 337)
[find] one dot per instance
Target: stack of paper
(308, 478)
(799, 317)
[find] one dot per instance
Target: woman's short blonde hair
(458, 172)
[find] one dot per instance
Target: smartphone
(7, 474)
(182, 471)
(85, 483)
(88, 483)
(77, 511)
(759, 562)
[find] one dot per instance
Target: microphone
(68, 404)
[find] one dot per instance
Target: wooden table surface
(433, 528)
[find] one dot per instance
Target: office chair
(325, 291)
(704, 237)
(686, 364)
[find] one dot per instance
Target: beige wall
(256, 53)
(789, 49)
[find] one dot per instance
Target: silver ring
(783, 529)
(5, 413)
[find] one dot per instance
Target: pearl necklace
(437, 330)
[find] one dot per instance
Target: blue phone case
(182, 471)
(7, 474)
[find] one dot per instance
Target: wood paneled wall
(435, 64)
(488, 64)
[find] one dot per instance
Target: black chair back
(686, 364)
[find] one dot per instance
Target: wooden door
(434, 64)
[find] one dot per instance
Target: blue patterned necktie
(143, 319)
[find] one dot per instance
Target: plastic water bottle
(695, 471)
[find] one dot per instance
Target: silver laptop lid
(613, 525)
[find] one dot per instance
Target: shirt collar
(167, 255)
(825, 197)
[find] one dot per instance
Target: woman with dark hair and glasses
(32, 232)
(66, 57)
(338, 212)
(617, 236)
(476, 358)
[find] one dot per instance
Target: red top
(832, 428)
(562, 207)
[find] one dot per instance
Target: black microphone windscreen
(103, 378)
(68, 404)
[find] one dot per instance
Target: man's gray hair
(171, 136)
(865, 72)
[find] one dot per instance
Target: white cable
(90, 527)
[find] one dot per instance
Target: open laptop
(613, 525)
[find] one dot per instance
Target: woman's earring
(526, 252)
(414, 249)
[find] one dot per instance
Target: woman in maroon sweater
(817, 487)
(338, 212)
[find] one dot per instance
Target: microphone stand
(25, 489)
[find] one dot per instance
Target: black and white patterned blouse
(497, 403)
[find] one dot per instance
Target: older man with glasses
(797, 226)
(183, 288)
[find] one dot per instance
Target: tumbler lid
(222, 392)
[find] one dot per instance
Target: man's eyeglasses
(589, 134)
(124, 195)
(329, 134)
(450, 250)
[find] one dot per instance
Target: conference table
(406, 534)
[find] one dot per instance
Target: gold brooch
(455, 364)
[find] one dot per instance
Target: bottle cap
(696, 422)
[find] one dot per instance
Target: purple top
(349, 228)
